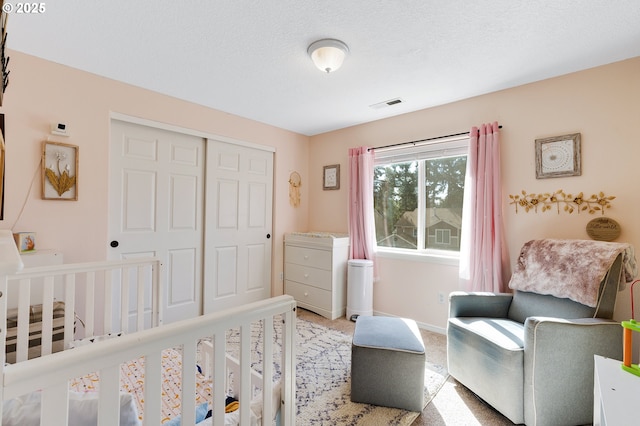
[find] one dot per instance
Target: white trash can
(359, 288)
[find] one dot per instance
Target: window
(443, 236)
(417, 196)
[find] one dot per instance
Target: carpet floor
(450, 403)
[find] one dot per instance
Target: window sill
(442, 258)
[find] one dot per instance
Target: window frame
(449, 147)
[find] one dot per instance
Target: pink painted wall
(603, 104)
(42, 93)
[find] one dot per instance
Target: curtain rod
(423, 140)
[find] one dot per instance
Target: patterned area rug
(324, 384)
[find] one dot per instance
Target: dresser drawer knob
(306, 257)
(306, 294)
(306, 275)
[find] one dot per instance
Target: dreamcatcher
(295, 182)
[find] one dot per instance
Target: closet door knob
(268, 236)
(114, 244)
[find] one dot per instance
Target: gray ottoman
(387, 363)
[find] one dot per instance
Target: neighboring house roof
(398, 242)
(435, 215)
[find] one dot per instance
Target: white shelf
(45, 257)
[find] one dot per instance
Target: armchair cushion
(486, 355)
(526, 304)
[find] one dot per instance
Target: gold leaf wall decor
(59, 171)
(561, 201)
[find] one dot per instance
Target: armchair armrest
(558, 366)
(479, 304)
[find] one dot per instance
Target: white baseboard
(422, 325)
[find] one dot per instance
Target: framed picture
(59, 171)
(558, 156)
(331, 177)
(2, 161)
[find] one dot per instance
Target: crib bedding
(132, 381)
(83, 410)
(83, 397)
(35, 330)
(24, 411)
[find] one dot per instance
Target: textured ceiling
(249, 58)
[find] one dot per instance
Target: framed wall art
(59, 171)
(2, 162)
(558, 156)
(331, 177)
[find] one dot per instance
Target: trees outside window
(418, 201)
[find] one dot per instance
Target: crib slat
(219, 377)
(288, 409)
(140, 298)
(245, 373)
(90, 288)
(188, 383)
(22, 342)
(108, 305)
(124, 300)
(267, 369)
(156, 295)
(109, 401)
(54, 406)
(152, 388)
(69, 303)
(47, 315)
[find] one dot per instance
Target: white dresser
(615, 393)
(315, 271)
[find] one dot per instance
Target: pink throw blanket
(570, 269)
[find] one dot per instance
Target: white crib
(143, 336)
(113, 296)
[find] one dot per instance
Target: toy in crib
(627, 340)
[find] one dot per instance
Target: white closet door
(156, 204)
(238, 241)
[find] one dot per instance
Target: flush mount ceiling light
(328, 54)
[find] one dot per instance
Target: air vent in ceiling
(386, 104)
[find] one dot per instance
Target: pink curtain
(362, 232)
(484, 260)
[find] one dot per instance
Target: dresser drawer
(307, 295)
(308, 257)
(320, 278)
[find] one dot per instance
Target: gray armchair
(529, 355)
